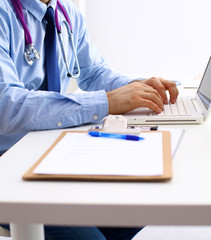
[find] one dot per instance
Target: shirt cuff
(94, 106)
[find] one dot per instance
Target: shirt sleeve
(23, 110)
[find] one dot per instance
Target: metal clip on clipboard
(116, 124)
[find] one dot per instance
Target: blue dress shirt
(23, 107)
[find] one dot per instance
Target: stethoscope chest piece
(31, 54)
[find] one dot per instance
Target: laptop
(187, 110)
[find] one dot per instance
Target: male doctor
(27, 103)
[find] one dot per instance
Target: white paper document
(176, 138)
(81, 154)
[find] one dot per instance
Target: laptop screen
(204, 90)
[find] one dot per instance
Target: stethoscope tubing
(29, 49)
(19, 11)
(65, 15)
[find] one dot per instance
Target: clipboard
(167, 166)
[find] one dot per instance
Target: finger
(159, 85)
(172, 88)
(151, 105)
(174, 92)
(158, 95)
(155, 98)
(144, 90)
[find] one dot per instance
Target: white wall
(168, 38)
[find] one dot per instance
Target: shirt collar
(38, 8)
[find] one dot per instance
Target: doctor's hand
(162, 85)
(150, 93)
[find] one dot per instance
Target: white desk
(185, 200)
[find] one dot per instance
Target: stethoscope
(31, 54)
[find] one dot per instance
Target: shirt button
(59, 124)
(95, 117)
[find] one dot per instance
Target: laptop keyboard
(177, 109)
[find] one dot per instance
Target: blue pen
(115, 135)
